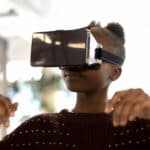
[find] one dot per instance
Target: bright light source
(21, 70)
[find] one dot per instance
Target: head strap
(103, 54)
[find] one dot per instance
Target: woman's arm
(128, 105)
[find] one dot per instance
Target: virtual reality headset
(65, 48)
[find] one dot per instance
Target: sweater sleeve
(143, 131)
(139, 134)
(39, 131)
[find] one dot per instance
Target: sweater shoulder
(34, 128)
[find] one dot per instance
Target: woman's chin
(78, 89)
(75, 88)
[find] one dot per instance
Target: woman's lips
(72, 75)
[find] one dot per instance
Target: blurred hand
(7, 109)
(128, 105)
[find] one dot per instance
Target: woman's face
(87, 80)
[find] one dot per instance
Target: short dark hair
(119, 37)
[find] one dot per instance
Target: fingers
(145, 113)
(6, 101)
(7, 109)
(5, 121)
(12, 109)
(123, 111)
(110, 105)
(94, 24)
(128, 105)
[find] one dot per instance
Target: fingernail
(131, 118)
(123, 123)
(12, 114)
(106, 110)
(115, 123)
(6, 124)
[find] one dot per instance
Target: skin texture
(7, 109)
(92, 87)
(132, 104)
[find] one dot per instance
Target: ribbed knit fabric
(77, 131)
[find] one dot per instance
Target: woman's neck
(90, 102)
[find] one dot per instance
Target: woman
(94, 123)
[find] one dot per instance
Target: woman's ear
(116, 72)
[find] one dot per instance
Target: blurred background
(41, 90)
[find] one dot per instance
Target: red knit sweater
(77, 131)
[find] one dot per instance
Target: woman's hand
(128, 105)
(7, 109)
